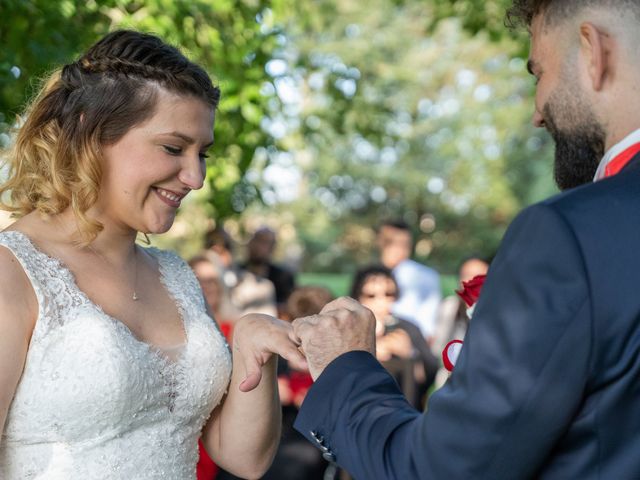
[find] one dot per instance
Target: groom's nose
(538, 119)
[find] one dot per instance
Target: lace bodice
(94, 402)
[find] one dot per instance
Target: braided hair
(92, 102)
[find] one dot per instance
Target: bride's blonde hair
(55, 162)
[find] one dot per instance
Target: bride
(110, 365)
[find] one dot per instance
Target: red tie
(621, 160)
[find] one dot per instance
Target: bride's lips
(169, 197)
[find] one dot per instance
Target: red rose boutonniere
(471, 290)
(470, 293)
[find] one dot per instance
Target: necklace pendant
(135, 296)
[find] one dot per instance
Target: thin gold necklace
(146, 241)
(134, 296)
(135, 274)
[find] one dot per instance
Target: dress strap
(50, 280)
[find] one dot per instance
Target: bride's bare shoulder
(17, 297)
(18, 313)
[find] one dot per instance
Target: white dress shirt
(613, 152)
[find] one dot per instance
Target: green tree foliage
(337, 113)
(476, 15)
(233, 39)
(36, 36)
(407, 114)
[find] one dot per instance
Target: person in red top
(209, 275)
(210, 278)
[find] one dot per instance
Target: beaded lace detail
(94, 401)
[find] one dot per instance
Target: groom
(548, 382)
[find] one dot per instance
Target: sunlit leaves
(435, 125)
(232, 39)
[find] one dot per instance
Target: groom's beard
(579, 148)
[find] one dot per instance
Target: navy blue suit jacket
(548, 381)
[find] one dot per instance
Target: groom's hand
(342, 326)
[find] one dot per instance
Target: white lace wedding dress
(96, 403)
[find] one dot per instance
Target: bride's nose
(192, 172)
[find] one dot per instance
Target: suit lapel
(633, 164)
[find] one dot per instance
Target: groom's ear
(596, 51)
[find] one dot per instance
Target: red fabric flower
(471, 290)
(450, 354)
(470, 293)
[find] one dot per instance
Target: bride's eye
(171, 150)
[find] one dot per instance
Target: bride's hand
(256, 337)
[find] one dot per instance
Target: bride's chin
(157, 230)
(159, 227)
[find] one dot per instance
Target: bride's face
(149, 171)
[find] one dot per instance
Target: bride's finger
(253, 375)
(295, 356)
(297, 341)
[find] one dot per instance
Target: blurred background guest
(248, 292)
(400, 346)
(230, 292)
(453, 320)
(209, 271)
(260, 251)
(418, 284)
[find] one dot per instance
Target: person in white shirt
(419, 285)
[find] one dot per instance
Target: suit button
(329, 457)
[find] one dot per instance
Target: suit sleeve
(517, 385)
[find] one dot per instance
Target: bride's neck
(111, 243)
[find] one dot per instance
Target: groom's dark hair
(522, 12)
